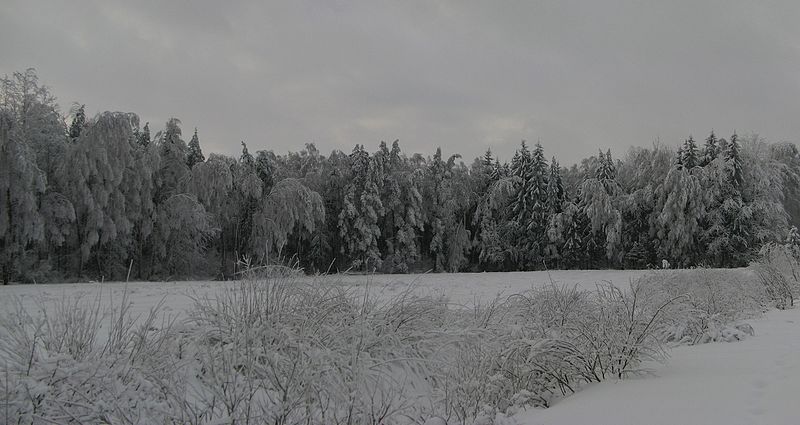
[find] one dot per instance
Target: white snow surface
(460, 288)
(755, 381)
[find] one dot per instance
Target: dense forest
(107, 198)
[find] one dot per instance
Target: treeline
(104, 198)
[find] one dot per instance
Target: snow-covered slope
(755, 381)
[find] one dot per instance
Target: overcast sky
(465, 76)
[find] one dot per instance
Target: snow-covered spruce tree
(358, 220)
(409, 222)
(520, 168)
(733, 161)
(555, 189)
(690, 155)
(744, 212)
(569, 230)
(195, 154)
(144, 135)
(538, 192)
(555, 202)
(173, 175)
(388, 167)
(499, 170)
(450, 238)
(529, 208)
(488, 160)
(78, 122)
(710, 149)
(403, 220)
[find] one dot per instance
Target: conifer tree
(722, 148)
(537, 189)
(710, 150)
(358, 220)
(409, 222)
(195, 154)
(488, 159)
(555, 188)
(144, 136)
(173, 175)
(499, 170)
(690, 154)
(521, 160)
(556, 224)
(78, 122)
(574, 223)
(450, 237)
(734, 161)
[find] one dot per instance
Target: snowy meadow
(290, 349)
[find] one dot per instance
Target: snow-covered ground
(460, 288)
(755, 381)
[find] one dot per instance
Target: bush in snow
(711, 306)
(277, 349)
(76, 363)
(778, 269)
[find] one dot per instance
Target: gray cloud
(462, 75)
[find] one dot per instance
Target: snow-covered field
(460, 288)
(755, 381)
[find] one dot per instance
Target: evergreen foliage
(78, 122)
(195, 154)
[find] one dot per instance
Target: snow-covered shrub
(75, 363)
(588, 336)
(315, 352)
(711, 303)
(778, 269)
(275, 348)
